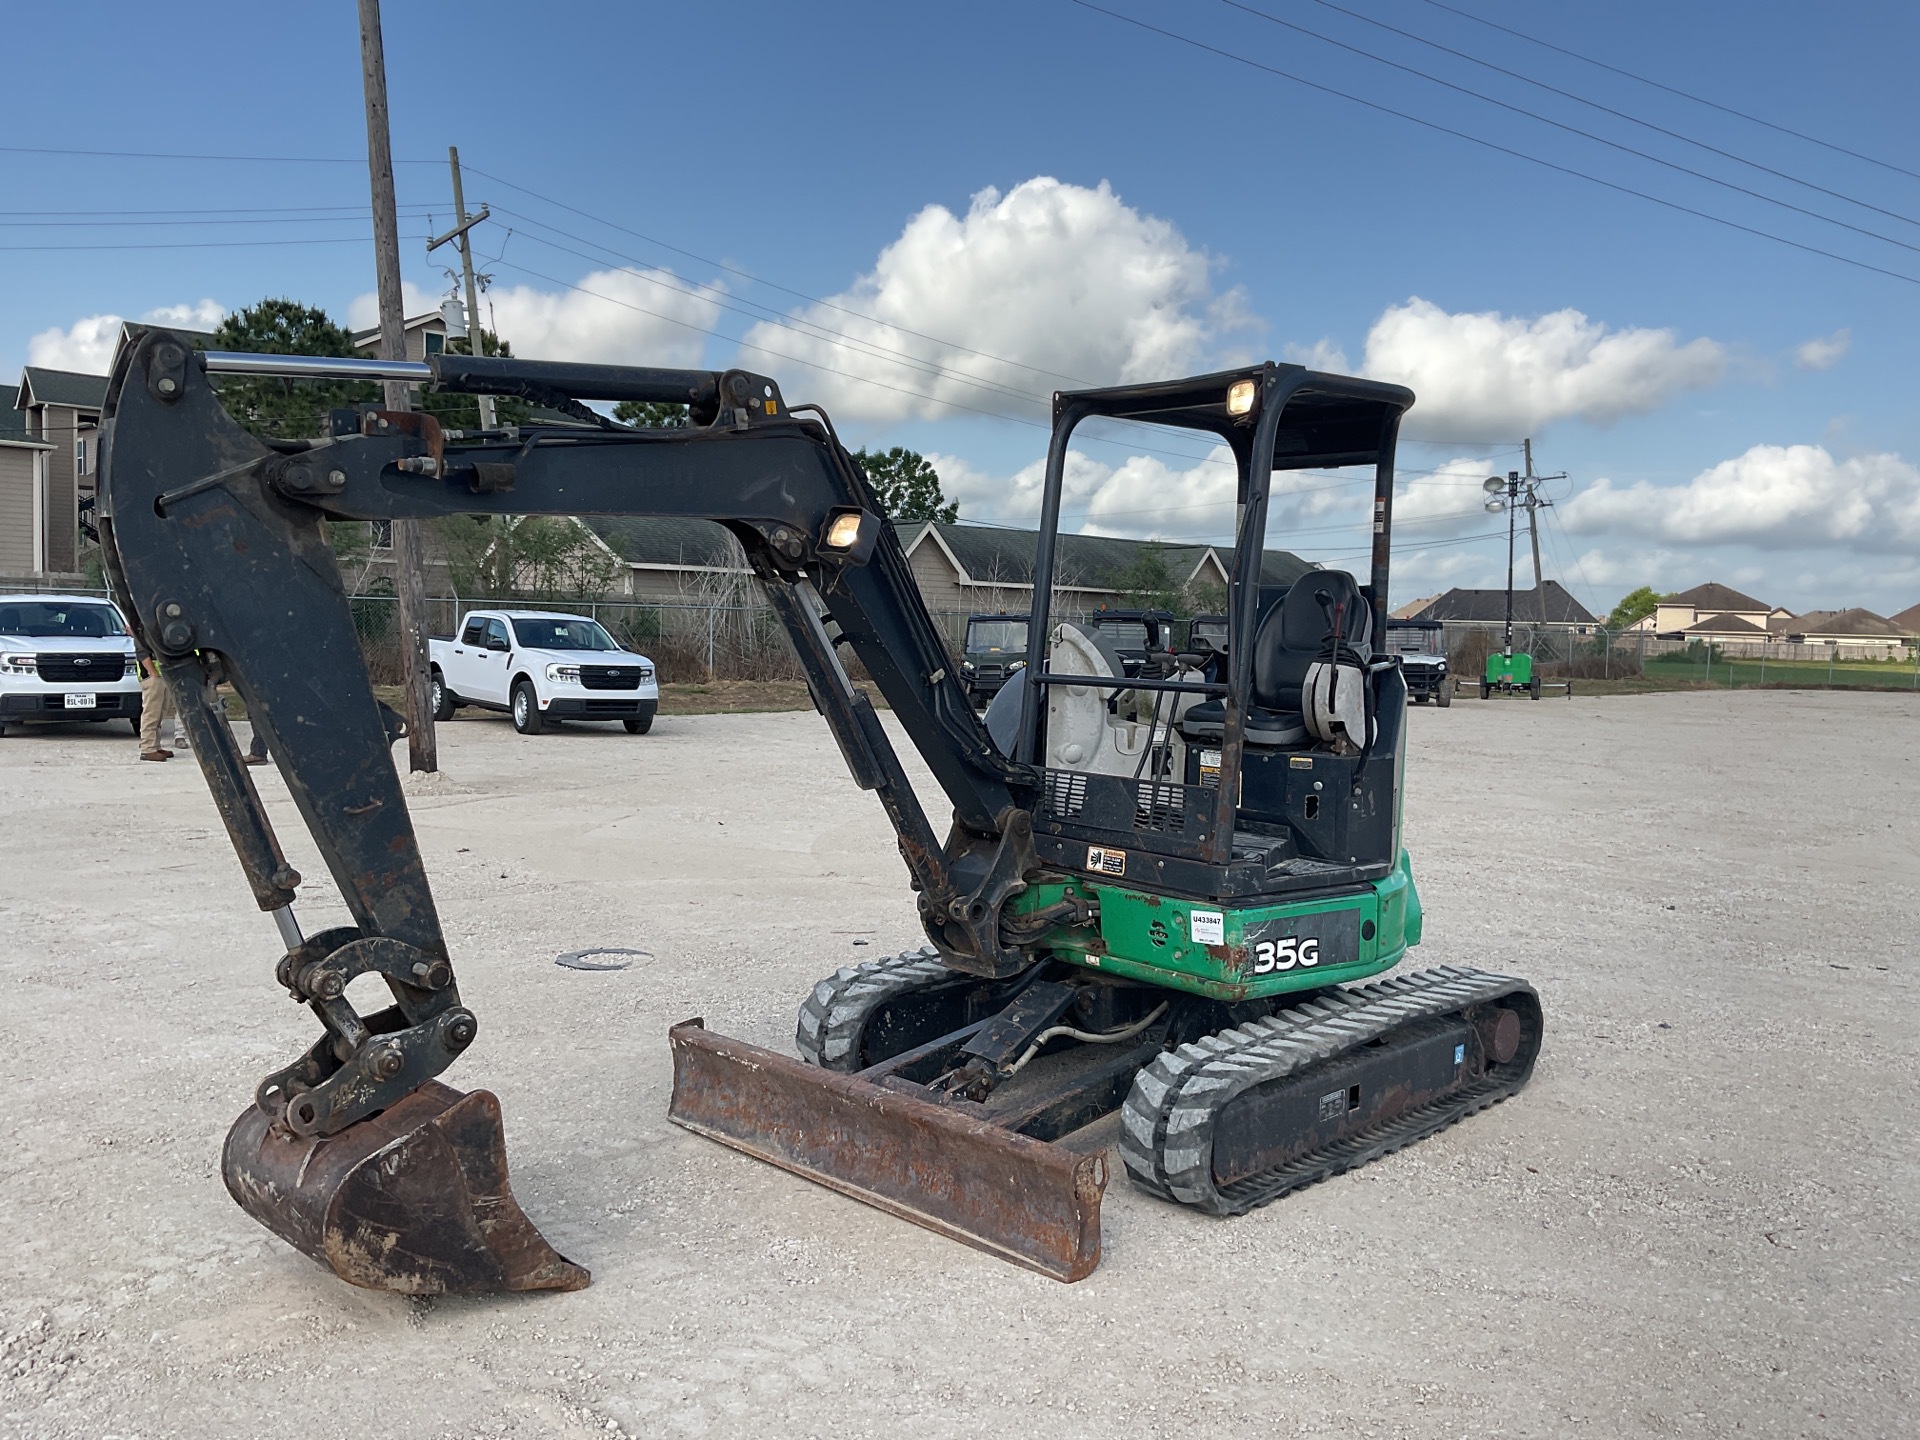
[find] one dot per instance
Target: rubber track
(1167, 1122)
(833, 1016)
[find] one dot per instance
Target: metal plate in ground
(588, 959)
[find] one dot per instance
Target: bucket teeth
(414, 1200)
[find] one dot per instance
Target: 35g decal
(1285, 953)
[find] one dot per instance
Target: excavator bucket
(413, 1200)
(1022, 1199)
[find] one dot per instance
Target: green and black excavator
(1155, 896)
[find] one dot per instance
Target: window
(497, 630)
(562, 634)
(436, 344)
(66, 619)
(79, 457)
(475, 634)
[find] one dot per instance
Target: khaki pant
(156, 708)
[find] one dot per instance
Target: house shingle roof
(1725, 625)
(13, 423)
(1855, 622)
(1490, 606)
(991, 555)
(1908, 619)
(1714, 598)
(660, 540)
(41, 386)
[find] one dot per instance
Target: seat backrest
(1290, 637)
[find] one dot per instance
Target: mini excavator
(1155, 897)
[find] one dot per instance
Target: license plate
(82, 700)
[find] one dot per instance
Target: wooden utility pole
(409, 559)
(1533, 534)
(466, 268)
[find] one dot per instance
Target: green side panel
(1260, 950)
(1516, 669)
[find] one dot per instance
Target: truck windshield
(997, 635)
(1412, 640)
(559, 634)
(1125, 634)
(44, 618)
(1214, 632)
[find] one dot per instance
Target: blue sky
(994, 196)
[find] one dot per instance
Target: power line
(236, 210)
(1522, 111)
(210, 244)
(1671, 90)
(172, 155)
(117, 224)
(1492, 145)
(1527, 79)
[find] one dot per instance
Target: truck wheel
(1486, 690)
(1443, 697)
(439, 698)
(1533, 687)
(638, 724)
(527, 718)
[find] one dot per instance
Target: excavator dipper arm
(215, 549)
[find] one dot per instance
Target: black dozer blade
(413, 1200)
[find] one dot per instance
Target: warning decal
(1106, 861)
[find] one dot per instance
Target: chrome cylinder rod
(315, 367)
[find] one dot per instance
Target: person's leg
(156, 702)
(257, 748)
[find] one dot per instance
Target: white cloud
(87, 344)
(1486, 375)
(1773, 497)
(610, 317)
(1323, 355)
(1072, 283)
(363, 311)
(1825, 352)
(1141, 497)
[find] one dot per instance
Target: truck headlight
(1016, 665)
(569, 674)
(20, 664)
(967, 667)
(646, 673)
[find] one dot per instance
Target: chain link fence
(1576, 652)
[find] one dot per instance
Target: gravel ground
(1699, 1220)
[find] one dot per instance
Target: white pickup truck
(538, 666)
(65, 658)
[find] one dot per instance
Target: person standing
(156, 704)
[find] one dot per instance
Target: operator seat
(1290, 637)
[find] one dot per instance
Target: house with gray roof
(1712, 602)
(58, 412)
(1552, 602)
(24, 460)
(962, 567)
